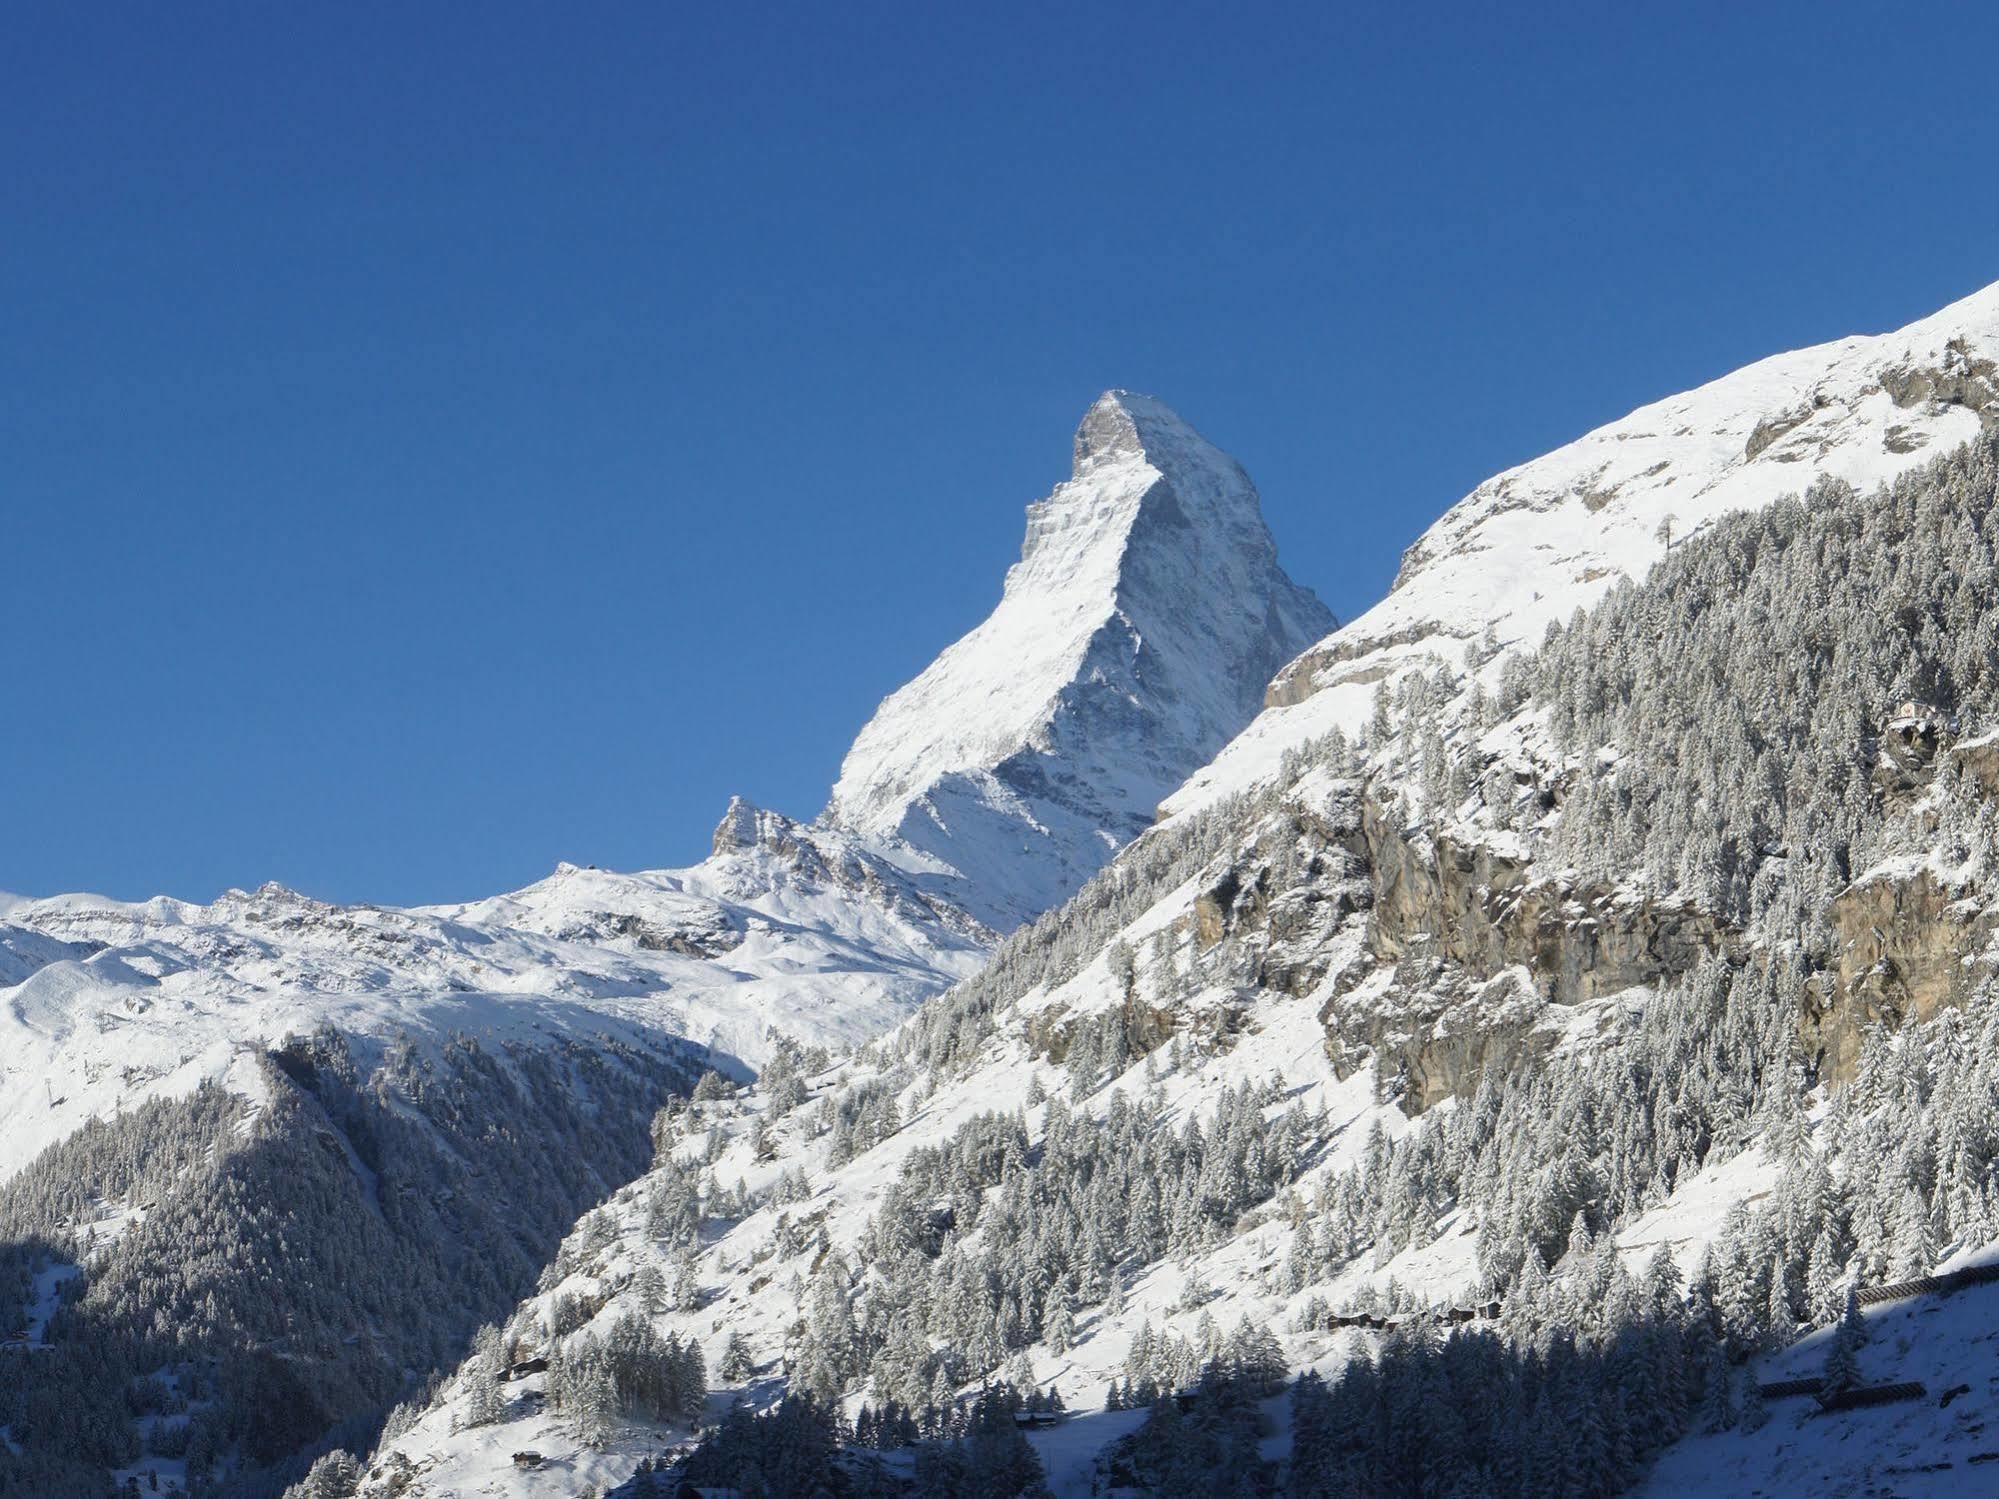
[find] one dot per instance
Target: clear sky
(438, 440)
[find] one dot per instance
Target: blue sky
(437, 441)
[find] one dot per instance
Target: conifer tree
(736, 1365)
(1842, 1360)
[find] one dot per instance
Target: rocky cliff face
(1135, 635)
(1484, 912)
(1465, 955)
(1470, 947)
(1911, 943)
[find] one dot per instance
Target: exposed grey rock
(1909, 946)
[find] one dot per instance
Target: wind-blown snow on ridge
(1134, 637)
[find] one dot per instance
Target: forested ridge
(299, 1262)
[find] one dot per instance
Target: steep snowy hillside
(1662, 955)
(1134, 638)
(1535, 543)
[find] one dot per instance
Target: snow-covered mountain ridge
(1134, 636)
(1535, 543)
(1133, 639)
(317, 1095)
(113, 1001)
(1571, 930)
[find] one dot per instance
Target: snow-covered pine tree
(1842, 1360)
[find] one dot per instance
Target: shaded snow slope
(1911, 1447)
(1538, 542)
(1135, 635)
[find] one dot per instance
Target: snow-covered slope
(783, 931)
(1134, 638)
(1942, 1442)
(1538, 542)
(1300, 938)
(752, 1276)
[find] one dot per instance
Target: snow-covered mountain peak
(1132, 639)
(1122, 425)
(1136, 634)
(744, 825)
(1127, 437)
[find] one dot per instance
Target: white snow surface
(802, 934)
(1134, 637)
(1537, 542)
(1914, 1447)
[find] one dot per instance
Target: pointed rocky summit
(1134, 637)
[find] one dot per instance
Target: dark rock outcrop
(1481, 946)
(1909, 946)
(1963, 379)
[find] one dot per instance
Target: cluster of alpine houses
(1571, 987)
(266, 1164)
